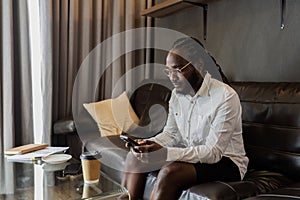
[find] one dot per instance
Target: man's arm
(170, 135)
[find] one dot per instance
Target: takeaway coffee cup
(90, 167)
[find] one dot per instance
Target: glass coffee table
(40, 180)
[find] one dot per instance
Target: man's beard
(189, 85)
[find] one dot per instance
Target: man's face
(181, 80)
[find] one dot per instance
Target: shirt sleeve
(170, 135)
(223, 126)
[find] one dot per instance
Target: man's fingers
(128, 145)
(141, 141)
(142, 149)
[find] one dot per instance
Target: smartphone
(130, 141)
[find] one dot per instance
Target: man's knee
(133, 165)
(168, 175)
(167, 183)
(177, 176)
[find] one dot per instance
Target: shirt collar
(203, 90)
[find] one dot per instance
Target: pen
(36, 160)
(33, 159)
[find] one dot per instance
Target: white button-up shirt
(205, 127)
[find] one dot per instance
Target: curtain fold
(16, 125)
(6, 96)
(47, 51)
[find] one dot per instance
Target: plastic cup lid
(90, 155)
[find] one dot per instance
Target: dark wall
(245, 37)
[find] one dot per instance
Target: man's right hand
(147, 146)
(149, 151)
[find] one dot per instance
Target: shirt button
(192, 102)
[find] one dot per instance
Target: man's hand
(146, 146)
(149, 151)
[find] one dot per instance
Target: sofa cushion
(266, 181)
(289, 192)
(210, 190)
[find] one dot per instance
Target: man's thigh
(224, 170)
(180, 174)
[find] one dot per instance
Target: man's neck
(196, 86)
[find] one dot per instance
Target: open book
(31, 156)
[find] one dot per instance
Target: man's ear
(199, 66)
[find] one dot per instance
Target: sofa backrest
(271, 125)
(151, 103)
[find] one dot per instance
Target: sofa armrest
(64, 126)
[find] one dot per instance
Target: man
(202, 139)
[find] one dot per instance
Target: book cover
(25, 149)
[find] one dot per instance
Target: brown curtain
(78, 28)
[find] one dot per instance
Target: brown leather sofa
(271, 131)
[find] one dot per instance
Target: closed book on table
(25, 149)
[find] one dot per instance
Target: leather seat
(271, 131)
